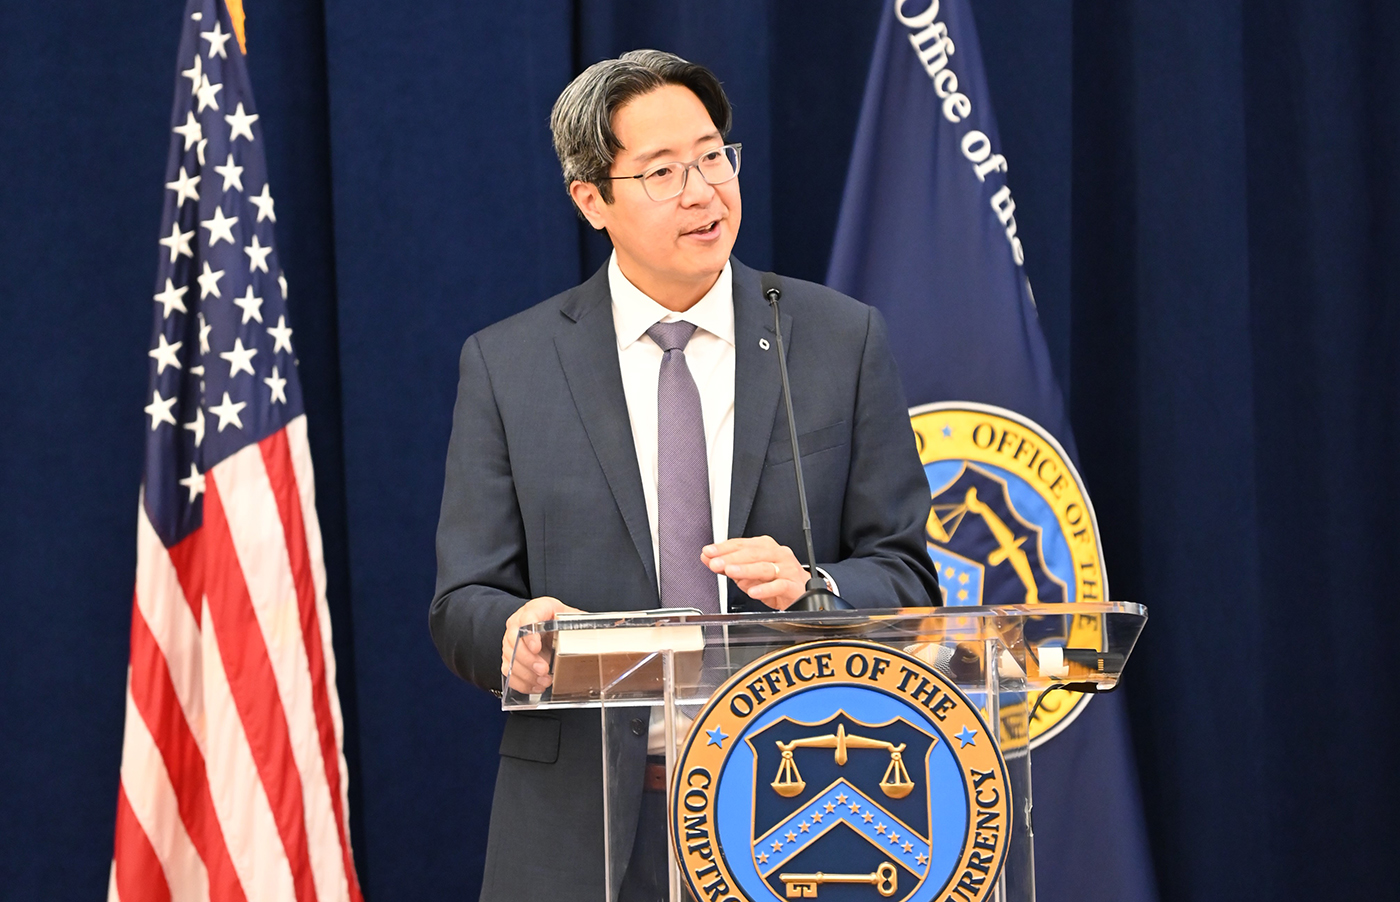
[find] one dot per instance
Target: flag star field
(219, 287)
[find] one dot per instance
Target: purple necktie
(683, 522)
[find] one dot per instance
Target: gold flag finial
(236, 16)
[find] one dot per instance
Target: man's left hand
(762, 569)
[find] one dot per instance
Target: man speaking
(623, 446)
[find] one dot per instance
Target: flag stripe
(152, 797)
(187, 559)
(253, 686)
(153, 697)
(300, 449)
(230, 773)
(277, 458)
(250, 510)
(237, 803)
(244, 811)
(137, 871)
(173, 625)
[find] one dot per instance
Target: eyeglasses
(667, 180)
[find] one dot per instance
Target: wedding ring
(777, 571)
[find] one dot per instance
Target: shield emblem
(974, 522)
(841, 808)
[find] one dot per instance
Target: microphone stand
(817, 597)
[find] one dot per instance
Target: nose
(697, 191)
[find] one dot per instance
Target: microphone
(817, 597)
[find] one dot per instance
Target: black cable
(1083, 688)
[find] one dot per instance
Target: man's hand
(530, 673)
(762, 569)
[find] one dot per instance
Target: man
(623, 446)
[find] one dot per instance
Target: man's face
(673, 249)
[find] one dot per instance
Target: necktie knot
(672, 336)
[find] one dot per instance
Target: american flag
(233, 784)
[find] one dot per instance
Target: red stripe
(254, 688)
(277, 458)
(187, 559)
(139, 875)
(153, 693)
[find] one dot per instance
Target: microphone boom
(817, 597)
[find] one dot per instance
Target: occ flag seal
(1011, 524)
(840, 770)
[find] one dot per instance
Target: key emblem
(885, 879)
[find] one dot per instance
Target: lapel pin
(763, 343)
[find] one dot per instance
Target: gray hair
(582, 117)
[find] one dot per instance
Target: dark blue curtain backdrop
(1207, 194)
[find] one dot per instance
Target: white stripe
(153, 801)
(306, 488)
(162, 603)
(250, 831)
(112, 895)
(256, 528)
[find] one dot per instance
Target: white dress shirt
(710, 356)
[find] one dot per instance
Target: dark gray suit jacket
(543, 496)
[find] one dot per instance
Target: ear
(590, 203)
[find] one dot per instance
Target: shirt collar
(634, 313)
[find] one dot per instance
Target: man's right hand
(529, 673)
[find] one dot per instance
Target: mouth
(706, 231)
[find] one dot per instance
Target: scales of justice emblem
(856, 779)
(842, 770)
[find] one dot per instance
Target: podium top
(619, 659)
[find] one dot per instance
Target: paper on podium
(595, 651)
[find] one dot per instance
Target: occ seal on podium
(840, 770)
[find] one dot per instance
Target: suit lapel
(587, 352)
(757, 391)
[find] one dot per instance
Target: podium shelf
(617, 660)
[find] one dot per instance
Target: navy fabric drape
(1207, 193)
(1236, 380)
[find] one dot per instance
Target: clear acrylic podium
(1000, 657)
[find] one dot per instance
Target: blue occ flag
(928, 234)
